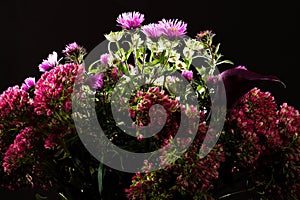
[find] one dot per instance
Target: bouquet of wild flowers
(147, 115)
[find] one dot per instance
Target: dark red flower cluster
(53, 90)
(140, 111)
(190, 176)
(263, 140)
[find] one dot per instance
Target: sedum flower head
(14, 105)
(17, 152)
(130, 20)
(54, 89)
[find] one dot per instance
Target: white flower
(187, 52)
(114, 36)
(165, 44)
(151, 45)
(137, 41)
(173, 56)
(180, 65)
(193, 44)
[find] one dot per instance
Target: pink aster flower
(173, 28)
(130, 20)
(96, 81)
(49, 63)
(28, 83)
(104, 58)
(188, 74)
(152, 30)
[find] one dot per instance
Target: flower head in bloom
(71, 47)
(130, 20)
(173, 28)
(14, 104)
(28, 83)
(104, 58)
(53, 90)
(203, 35)
(96, 81)
(152, 30)
(74, 53)
(49, 63)
(188, 74)
(18, 150)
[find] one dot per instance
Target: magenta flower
(19, 150)
(96, 81)
(71, 48)
(104, 58)
(173, 28)
(152, 30)
(116, 73)
(28, 83)
(188, 74)
(14, 104)
(130, 20)
(54, 89)
(49, 63)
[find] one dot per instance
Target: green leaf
(217, 48)
(226, 61)
(100, 177)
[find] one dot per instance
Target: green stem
(235, 193)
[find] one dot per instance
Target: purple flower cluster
(170, 28)
(53, 90)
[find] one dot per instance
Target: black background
(261, 36)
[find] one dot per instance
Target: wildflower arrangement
(152, 89)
